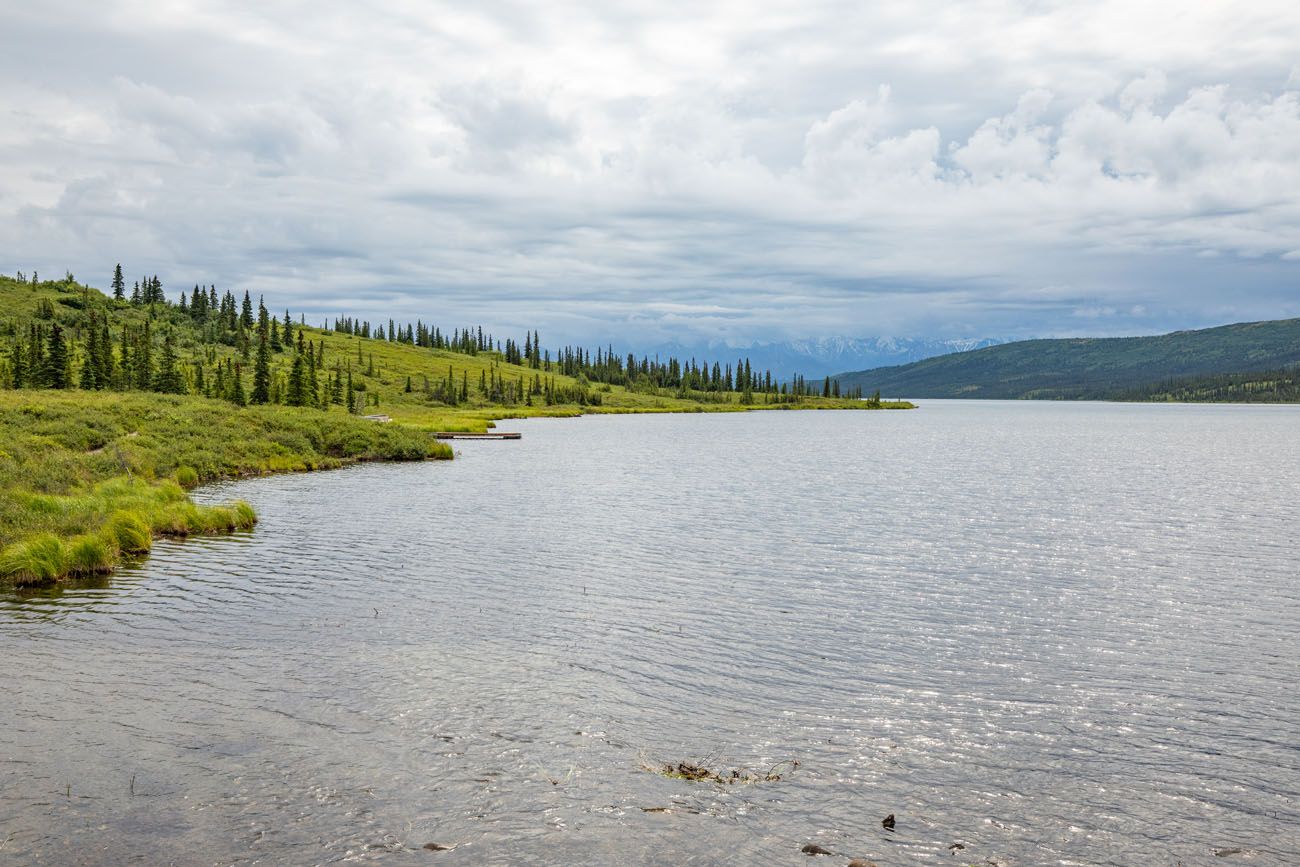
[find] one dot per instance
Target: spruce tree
(311, 383)
(296, 391)
(262, 373)
(119, 283)
(168, 379)
(246, 314)
(55, 370)
(125, 365)
(237, 387)
(144, 360)
(18, 364)
(90, 365)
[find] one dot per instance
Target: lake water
(1049, 633)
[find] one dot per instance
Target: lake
(1041, 632)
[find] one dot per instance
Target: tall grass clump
(177, 519)
(226, 519)
(131, 532)
(91, 554)
(187, 477)
(245, 517)
(35, 561)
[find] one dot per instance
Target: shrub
(187, 477)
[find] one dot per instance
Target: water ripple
(1050, 633)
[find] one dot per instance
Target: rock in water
(888, 822)
(814, 849)
(858, 862)
(438, 847)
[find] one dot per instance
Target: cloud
(731, 172)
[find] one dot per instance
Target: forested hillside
(230, 346)
(1098, 368)
(1268, 386)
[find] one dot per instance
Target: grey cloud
(665, 170)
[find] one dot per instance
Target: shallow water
(1051, 633)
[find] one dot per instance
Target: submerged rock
(439, 847)
(858, 862)
(814, 849)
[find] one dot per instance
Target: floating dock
(490, 435)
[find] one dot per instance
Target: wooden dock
(490, 435)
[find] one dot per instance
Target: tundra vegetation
(113, 404)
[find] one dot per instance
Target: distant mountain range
(1093, 368)
(817, 358)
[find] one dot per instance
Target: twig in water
(133, 785)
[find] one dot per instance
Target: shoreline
(133, 458)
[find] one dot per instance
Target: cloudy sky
(648, 171)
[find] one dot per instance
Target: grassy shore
(89, 478)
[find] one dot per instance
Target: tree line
(103, 351)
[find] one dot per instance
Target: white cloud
(1142, 93)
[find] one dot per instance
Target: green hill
(1164, 367)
